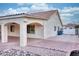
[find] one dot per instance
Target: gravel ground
(32, 51)
(46, 51)
(16, 52)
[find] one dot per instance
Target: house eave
(59, 18)
(18, 16)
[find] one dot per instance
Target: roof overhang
(18, 16)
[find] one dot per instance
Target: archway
(13, 31)
(35, 31)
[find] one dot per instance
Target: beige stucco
(49, 26)
(38, 32)
(44, 31)
(44, 28)
(16, 32)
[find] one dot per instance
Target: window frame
(12, 28)
(30, 29)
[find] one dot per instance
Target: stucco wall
(16, 20)
(7, 22)
(49, 26)
(31, 20)
(38, 29)
(16, 30)
(38, 33)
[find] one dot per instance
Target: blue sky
(69, 12)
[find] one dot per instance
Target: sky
(69, 12)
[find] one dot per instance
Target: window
(54, 28)
(12, 28)
(30, 28)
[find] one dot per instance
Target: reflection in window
(30, 28)
(12, 28)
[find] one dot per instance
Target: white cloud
(70, 9)
(22, 10)
(15, 11)
(40, 6)
(37, 7)
(34, 8)
(66, 14)
(11, 11)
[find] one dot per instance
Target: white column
(4, 36)
(23, 34)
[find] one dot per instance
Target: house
(34, 25)
(69, 29)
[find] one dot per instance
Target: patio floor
(51, 44)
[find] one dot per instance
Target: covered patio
(20, 33)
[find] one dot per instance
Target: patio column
(23, 34)
(4, 35)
